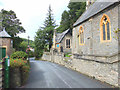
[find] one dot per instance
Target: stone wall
(47, 56)
(103, 71)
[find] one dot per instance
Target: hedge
(19, 55)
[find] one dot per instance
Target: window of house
(67, 43)
(81, 36)
(105, 28)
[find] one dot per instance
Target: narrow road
(45, 74)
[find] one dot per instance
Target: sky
(32, 13)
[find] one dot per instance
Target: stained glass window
(81, 36)
(108, 31)
(105, 28)
(104, 34)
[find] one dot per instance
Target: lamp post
(28, 47)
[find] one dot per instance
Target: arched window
(81, 36)
(105, 32)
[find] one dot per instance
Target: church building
(95, 39)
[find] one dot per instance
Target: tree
(23, 46)
(49, 26)
(69, 17)
(11, 23)
(13, 26)
(44, 35)
(65, 22)
(40, 43)
(0, 21)
(16, 43)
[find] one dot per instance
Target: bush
(68, 55)
(19, 69)
(31, 53)
(17, 63)
(19, 55)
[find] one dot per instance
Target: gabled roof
(60, 36)
(97, 7)
(4, 34)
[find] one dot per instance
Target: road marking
(60, 77)
(58, 68)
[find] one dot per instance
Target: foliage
(68, 55)
(19, 55)
(69, 17)
(13, 26)
(31, 53)
(117, 32)
(16, 43)
(49, 25)
(40, 43)
(11, 23)
(0, 21)
(23, 46)
(17, 63)
(44, 35)
(31, 42)
(65, 22)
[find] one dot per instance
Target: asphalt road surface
(45, 74)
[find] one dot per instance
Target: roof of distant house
(60, 36)
(97, 7)
(4, 34)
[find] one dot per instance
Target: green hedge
(19, 55)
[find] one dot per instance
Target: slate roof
(97, 7)
(60, 36)
(4, 34)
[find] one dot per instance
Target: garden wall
(103, 71)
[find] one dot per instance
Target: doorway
(2, 52)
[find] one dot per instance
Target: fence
(4, 73)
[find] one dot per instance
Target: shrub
(19, 55)
(19, 72)
(17, 63)
(31, 53)
(68, 55)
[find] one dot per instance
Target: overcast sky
(32, 13)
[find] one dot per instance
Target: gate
(1, 74)
(2, 53)
(4, 69)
